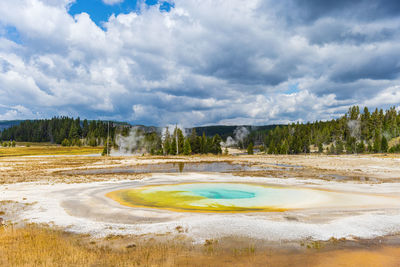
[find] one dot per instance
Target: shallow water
(179, 167)
(287, 165)
(222, 193)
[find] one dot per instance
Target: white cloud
(112, 2)
(16, 112)
(388, 96)
(204, 62)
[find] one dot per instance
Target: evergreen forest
(358, 131)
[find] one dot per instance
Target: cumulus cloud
(203, 62)
(15, 112)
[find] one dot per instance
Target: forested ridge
(355, 132)
(58, 130)
(76, 132)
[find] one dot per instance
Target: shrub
(65, 142)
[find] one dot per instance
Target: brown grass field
(43, 246)
(41, 149)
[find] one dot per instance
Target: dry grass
(38, 246)
(34, 246)
(47, 150)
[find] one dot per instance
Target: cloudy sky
(197, 62)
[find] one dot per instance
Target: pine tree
(181, 140)
(216, 144)
(320, 148)
(203, 144)
(172, 149)
(284, 149)
(339, 147)
(186, 147)
(360, 147)
(73, 132)
(384, 144)
(107, 148)
(167, 142)
(194, 142)
(250, 149)
(85, 129)
(377, 142)
(271, 148)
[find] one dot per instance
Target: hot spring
(238, 197)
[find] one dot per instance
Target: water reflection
(178, 167)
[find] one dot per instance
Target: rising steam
(171, 128)
(355, 128)
(240, 133)
(132, 144)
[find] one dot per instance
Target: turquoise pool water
(223, 197)
(221, 193)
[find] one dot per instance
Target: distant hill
(9, 124)
(225, 131)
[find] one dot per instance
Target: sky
(198, 62)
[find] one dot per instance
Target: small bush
(65, 142)
(395, 149)
(92, 142)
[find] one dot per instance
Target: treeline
(60, 130)
(158, 142)
(355, 132)
(176, 143)
(76, 132)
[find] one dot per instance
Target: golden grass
(34, 246)
(47, 150)
(39, 246)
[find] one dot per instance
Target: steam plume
(240, 133)
(355, 128)
(134, 143)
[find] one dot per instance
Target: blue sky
(11, 33)
(197, 62)
(100, 11)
